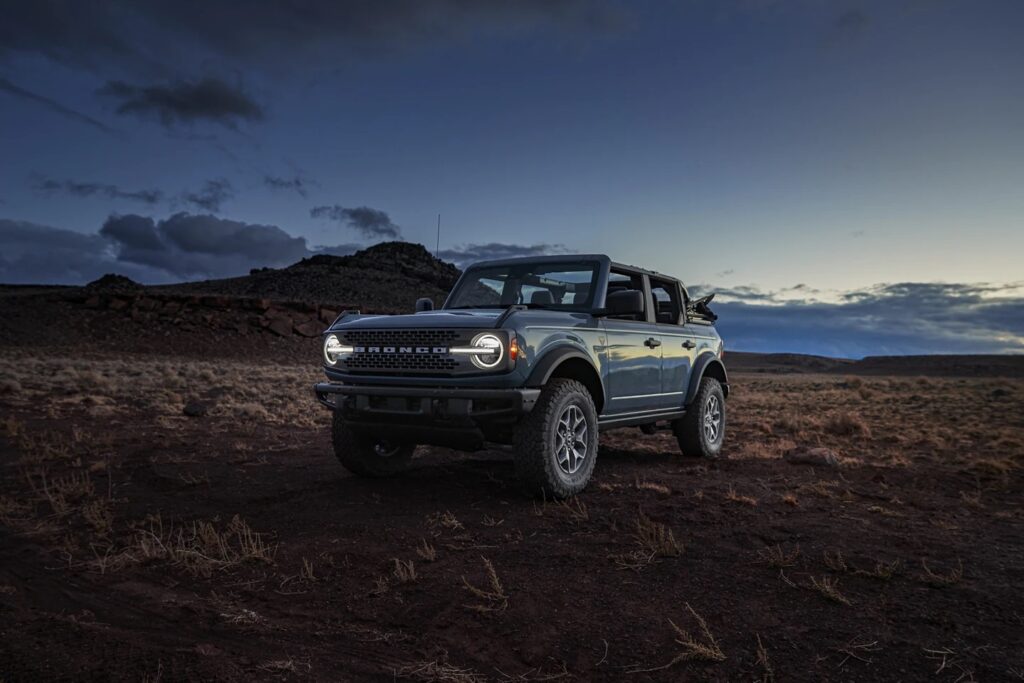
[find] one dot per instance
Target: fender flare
(549, 362)
(700, 367)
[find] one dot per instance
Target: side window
(666, 299)
(620, 281)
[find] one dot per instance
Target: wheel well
(718, 372)
(584, 373)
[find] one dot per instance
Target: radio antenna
(437, 247)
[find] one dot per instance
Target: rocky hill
(386, 277)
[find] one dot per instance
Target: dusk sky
(855, 167)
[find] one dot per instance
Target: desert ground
(141, 543)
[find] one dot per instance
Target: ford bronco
(536, 353)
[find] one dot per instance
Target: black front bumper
(443, 403)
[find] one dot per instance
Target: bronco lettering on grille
(401, 349)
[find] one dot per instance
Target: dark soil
(571, 608)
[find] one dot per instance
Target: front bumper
(368, 401)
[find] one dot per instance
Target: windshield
(561, 286)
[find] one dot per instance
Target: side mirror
(424, 304)
(625, 302)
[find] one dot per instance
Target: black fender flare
(549, 362)
(700, 367)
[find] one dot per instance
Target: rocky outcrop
(239, 315)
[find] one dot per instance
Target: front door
(633, 354)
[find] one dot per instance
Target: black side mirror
(424, 304)
(625, 302)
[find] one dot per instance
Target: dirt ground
(140, 544)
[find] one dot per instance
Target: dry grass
(200, 548)
(835, 561)
(576, 509)
(829, 587)
(644, 485)
(846, 424)
(445, 520)
(883, 571)
(654, 540)
(308, 571)
(404, 571)
(778, 558)
(950, 578)
(272, 393)
(492, 598)
(733, 497)
(435, 671)
(768, 675)
(703, 647)
(426, 551)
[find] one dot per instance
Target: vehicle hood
(426, 319)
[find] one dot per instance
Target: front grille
(399, 337)
(426, 363)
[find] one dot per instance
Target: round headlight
(490, 342)
(332, 349)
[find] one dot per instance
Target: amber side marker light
(513, 348)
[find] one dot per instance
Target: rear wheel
(366, 455)
(701, 431)
(556, 443)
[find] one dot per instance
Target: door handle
(652, 342)
(689, 344)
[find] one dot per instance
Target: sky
(848, 176)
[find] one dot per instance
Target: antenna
(437, 247)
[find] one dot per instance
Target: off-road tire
(535, 437)
(689, 430)
(358, 453)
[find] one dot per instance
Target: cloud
(370, 223)
(89, 189)
(181, 247)
(151, 36)
(466, 254)
(31, 254)
(189, 246)
(54, 106)
(888, 319)
(297, 183)
(213, 193)
(209, 99)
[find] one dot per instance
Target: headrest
(542, 296)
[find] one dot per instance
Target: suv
(539, 353)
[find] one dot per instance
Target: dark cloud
(466, 254)
(209, 99)
(132, 232)
(31, 254)
(296, 183)
(137, 36)
(370, 223)
(213, 193)
(894, 319)
(90, 189)
(189, 246)
(181, 247)
(53, 105)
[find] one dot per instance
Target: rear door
(633, 352)
(678, 347)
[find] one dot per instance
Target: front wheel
(701, 431)
(368, 456)
(555, 445)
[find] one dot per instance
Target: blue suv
(538, 353)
